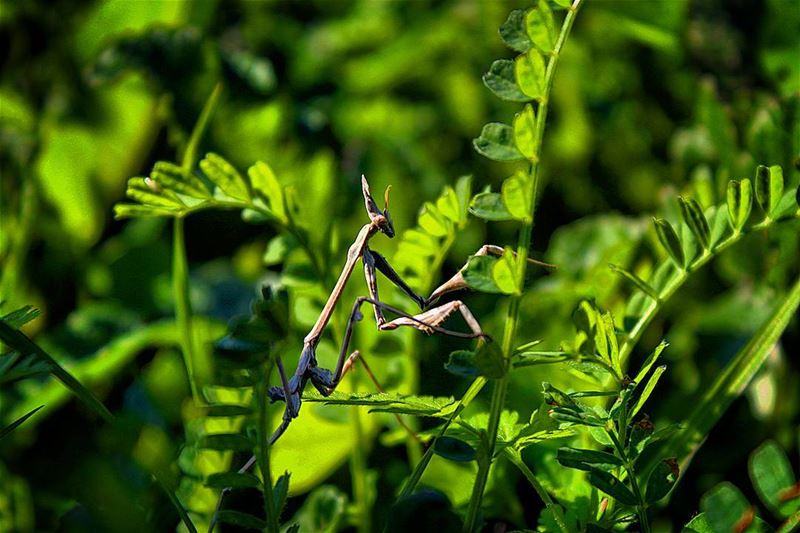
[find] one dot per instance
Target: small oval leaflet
(740, 202)
(669, 240)
(454, 449)
(501, 80)
(497, 142)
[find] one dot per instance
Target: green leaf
(464, 194)
(516, 191)
(636, 281)
(19, 317)
(693, 216)
(388, 402)
(504, 273)
(146, 192)
(171, 176)
(489, 360)
(280, 492)
(16, 340)
(278, 248)
(769, 187)
(478, 274)
(541, 27)
(583, 459)
(497, 142)
(725, 507)
(238, 518)
(137, 210)
(610, 331)
(264, 182)
(525, 134)
(563, 3)
(740, 202)
(513, 32)
(448, 205)
(661, 480)
(787, 205)
(234, 480)
(669, 240)
(530, 74)
(462, 363)
(489, 206)
(454, 449)
(618, 409)
(772, 476)
(648, 389)
(433, 221)
(323, 511)
(16, 423)
(650, 361)
(225, 176)
(225, 442)
(698, 524)
(502, 82)
(612, 486)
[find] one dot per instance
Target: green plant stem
(197, 364)
(501, 384)
(190, 153)
(264, 432)
(516, 459)
(358, 472)
(183, 307)
(676, 282)
(641, 509)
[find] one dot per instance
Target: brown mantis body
(428, 321)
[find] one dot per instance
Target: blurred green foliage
(651, 100)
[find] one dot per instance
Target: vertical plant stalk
(512, 316)
(183, 306)
(358, 470)
(641, 508)
(264, 431)
(198, 364)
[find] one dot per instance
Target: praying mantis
(429, 320)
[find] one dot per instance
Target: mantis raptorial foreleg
(457, 282)
(429, 322)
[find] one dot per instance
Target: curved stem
(524, 242)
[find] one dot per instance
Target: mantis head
(381, 219)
